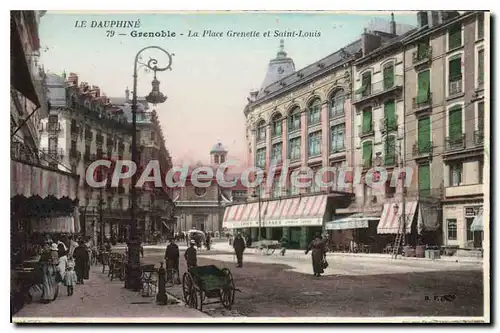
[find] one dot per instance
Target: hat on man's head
(53, 247)
(192, 242)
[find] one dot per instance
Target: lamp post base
(133, 268)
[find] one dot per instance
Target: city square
(351, 185)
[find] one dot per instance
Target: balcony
(464, 190)
(378, 89)
(422, 57)
(455, 87)
(54, 153)
(421, 150)
(455, 143)
(422, 105)
(479, 137)
(386, 126)
(53, 127)
(363, 132)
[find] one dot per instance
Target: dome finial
(281, 52)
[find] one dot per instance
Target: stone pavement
(101, 298)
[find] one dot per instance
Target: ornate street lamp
(133, 280)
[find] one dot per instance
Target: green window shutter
(423, 87)
(455, 68)
(422, 51)
(367, 153)
(388, 77)
(424, 134)
(455, 37)
(390, 114)
(455, 123)
(366, 83)
(481, 66)
(367, 121)
(390, 150)
(424, 181)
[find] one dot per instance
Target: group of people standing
(62, 262)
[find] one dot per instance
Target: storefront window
(452, 229)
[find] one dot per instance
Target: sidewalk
(225, 247)
(100, 300)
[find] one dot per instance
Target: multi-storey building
(444, 94)
(83, 126)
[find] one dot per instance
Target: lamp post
(133, 280)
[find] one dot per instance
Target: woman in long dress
(49, 261)
(62, 264)
(318, 252)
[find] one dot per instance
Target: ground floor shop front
(463, 226)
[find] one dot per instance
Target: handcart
(267, 247)
(204, 282)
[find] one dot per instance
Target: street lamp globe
(156, 96)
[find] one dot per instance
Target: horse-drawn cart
(201, 283)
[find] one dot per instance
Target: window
(452, 229)
(294, 123)
(455, 75)
(388, 76)
(295, 149)
(337, 136)
(53, 122)
(276, 125)
(423, 91)
(470, 233)
(222, 159)
(366, 84)
(52, 145)
(390, 150)
(261, 158)
(261, 131)
(367, 154)
(216, 159)
(276, 192)
(455, 174)
(422, 50)
(424, 180)
(314, 144)
(367, 121)
(480, 26)
(424, 135)
(390, 115)
(152, 136)
(73, 146)
(454, 37)
(337, 104)
(314, 114)
(276, 153)
(480, 67)
(480, 117)
(455, 124)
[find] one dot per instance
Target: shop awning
(391, 217)
(477, 223)
(31, 180)
(355, 221)
(293, 212)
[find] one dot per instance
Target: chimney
(393, 24)
(127, 95)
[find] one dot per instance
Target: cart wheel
(188, 291)
(202, 296)
(227, 293)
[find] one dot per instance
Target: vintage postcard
(244, 166)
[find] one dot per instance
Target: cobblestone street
(351, 286)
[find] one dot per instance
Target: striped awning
(477, 223)
(355, 221)
(301, 211)
(390, 219)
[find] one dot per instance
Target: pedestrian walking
(239, 247)
(70, 279)
(72, 246)
(49, 262)
(172, 255)
(283, 245)
(208, 239)
(317, 247)
(82, 264)
(190, 255)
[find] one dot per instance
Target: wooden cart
(204, 282)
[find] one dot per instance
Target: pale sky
(210, 77)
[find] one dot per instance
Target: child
(70, 278)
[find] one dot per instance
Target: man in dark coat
(317, 247)
(172, 258)
(82, 264)
(190, 255)
(239, 247)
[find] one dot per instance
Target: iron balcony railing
(378, 87)
(479, 137)
(54, 153)
(53, 127)
(422, 104)
(386, 125)
(455, 87)
(422, 56)
(423, 149)
(455, 143)
(366, 131)
(337, 111)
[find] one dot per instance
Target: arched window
(388, 76)
(337, 104)
(276, 125)
(314, 112)
(261, 131)
(294, 120)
